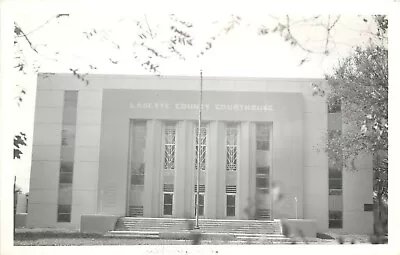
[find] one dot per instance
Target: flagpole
(199, 152)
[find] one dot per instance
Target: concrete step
(168, 225)
(188, 235)
(133, 234)
(201, 226)
(155, 225)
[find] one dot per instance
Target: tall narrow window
(64, 203)
(263, 168)
(230, 200)
(203, 147)
(201, 199)
(137, 160)
(231, 147)
(137, 167)
(335, 198)
(335, 157)
(169, 147)
(262, 157)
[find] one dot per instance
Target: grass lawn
(63, 237)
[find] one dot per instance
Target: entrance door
(168, 199)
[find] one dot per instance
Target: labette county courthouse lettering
(218, 107)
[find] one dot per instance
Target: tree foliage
(19, 141)
(174, 38)
(360, 84)
(359, 87)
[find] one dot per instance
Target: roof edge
(188, 77)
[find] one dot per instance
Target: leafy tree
(359, 87)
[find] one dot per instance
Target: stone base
(307, 227)
(97, 223)
(20, 220)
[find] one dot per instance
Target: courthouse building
(128, 146)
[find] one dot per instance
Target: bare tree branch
(148, 26)
(18, 31)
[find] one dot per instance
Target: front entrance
(166, 171)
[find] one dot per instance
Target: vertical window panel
(231, 147)
(168, 202)
(335, 219)
(67, 156)
(201, 204)
(65, 194)
(68, 135)
(64, 213)
(137, 148)
(335, 182)
(137, 152)
(169, 147)
(230, 204)
(69, 116)
(203, 147)
(263, 137)
(66, 167)
(263, 164)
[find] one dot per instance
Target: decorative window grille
(202, 188)
(203, 147)
(231, 189)
(231, 148)
(169, 147)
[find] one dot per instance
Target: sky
(241, 53)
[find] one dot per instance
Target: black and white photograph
(175, 129)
